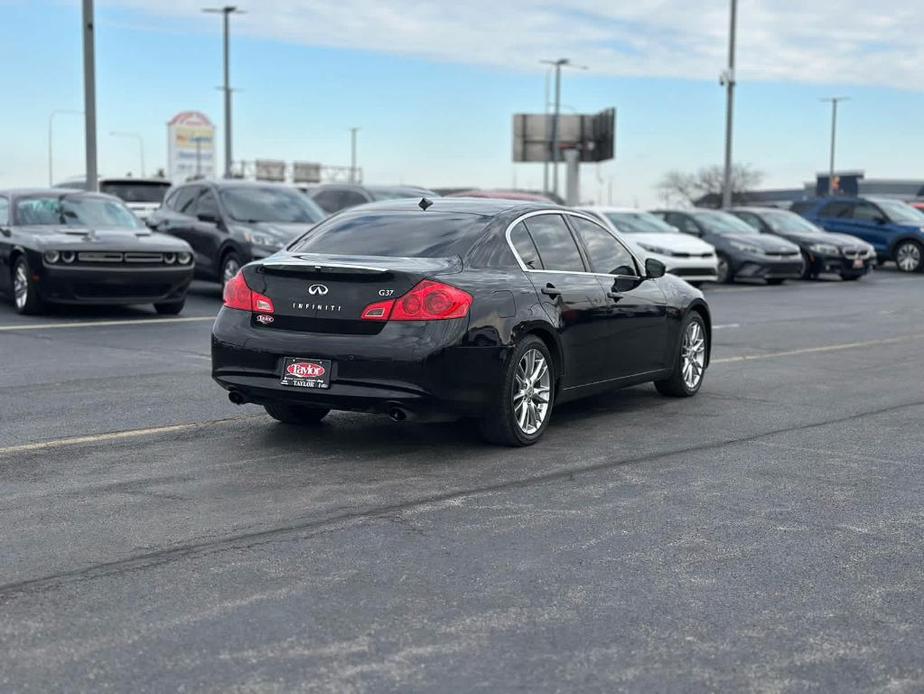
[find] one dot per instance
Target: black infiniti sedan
(741, 250)
(229, 223)
(848, 256)
(74, 247)
(492, 309)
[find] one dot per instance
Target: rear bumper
(420, 367)
(113, 285)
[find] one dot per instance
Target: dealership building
(848, 183)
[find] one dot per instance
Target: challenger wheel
(521, 408)
(25, 295)
(295, 414)
(689, 362)
(909, 257)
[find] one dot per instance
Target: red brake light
(429, 300)
(239, 296)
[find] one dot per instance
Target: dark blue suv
(894, 228)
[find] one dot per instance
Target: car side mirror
(207, 217)
(654, 268)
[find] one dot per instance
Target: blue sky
(433, 86)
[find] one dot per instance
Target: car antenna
(424, 204)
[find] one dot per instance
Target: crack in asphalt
(311, 527)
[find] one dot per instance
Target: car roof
(454, 205)
(757, 209)
(610, 208)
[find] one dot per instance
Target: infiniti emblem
(317, 290)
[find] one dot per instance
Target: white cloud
(822, 41)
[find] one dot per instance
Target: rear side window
(555, 244)
(526, 249)
(181, 200)
(837, 210)
(606, 254)
(866, 212)
(395, 234)
(749, 218)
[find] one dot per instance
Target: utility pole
(226, 13)
(556, 154)
(51, 162)
(89, 95)
(134, 136)
(728, 80)
(353, 176)
(834, 101)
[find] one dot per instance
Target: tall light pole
(545, 110)
(834, 101)
(51, 118)
(135, 136)
(353, 177)
(226, 12)
(728, 80)
(556, 154)
(89, 95)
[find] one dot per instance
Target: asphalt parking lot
(766, 535)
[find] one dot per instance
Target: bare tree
(687, 188)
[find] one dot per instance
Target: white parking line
(103, 323)
(812, 350)
(120, 435)
(726, 325)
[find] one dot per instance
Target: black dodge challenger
(73, 247)
(483, 308)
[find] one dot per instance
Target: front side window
(866, 212)
(606, 254)
(555, 244)
(206, 204)
(269, 204)
(181, 201)
(4, 211)
(75, 210)
(526, 249)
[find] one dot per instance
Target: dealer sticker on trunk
(303, 372)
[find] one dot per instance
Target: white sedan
(683, 255)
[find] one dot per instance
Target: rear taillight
(241, 297)
(429, 300)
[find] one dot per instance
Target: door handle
(551, 290)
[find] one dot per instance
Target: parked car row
(211, 229)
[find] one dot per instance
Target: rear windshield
(137, 191)
(395, 234)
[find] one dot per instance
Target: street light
(727, 79)
(89, 94)
(353, 177)
(834, 101)
(226, 12)
(558, 64)
(51, 118)
(140, 139)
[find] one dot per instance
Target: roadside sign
(190, 146)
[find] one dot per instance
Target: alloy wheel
(693, 354)
(532, 390)
(722, 270)
(21, 286)
(908, 257)
(231, 268)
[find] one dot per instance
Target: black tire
(725, 274)
(776, 281)
(230, 264)
(808, 273)
(500, 425)
(909, 256)
(30, 302)
(299, 415)
(170, 308)
(675, 385)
